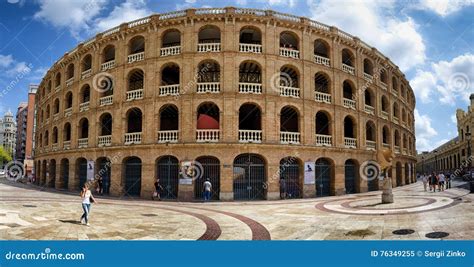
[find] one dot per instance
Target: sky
(431, 41)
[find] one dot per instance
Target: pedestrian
(283, 193)
(87, 200)
(207, 190)
(100, 185)
(448, 181)
(424, 178)
(441, 181)
(434, 181)
(158, 190)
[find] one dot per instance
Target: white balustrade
(104, 140)
(404, 151)
(367, 77)
(250, 48)
(323, 140)
(369, 109)
(397, 149)
(170, 51)
(213, 87)
(106, 100)
(57, 88)
(69, 82)
(170, 136)
(207, 135)
(394, 92)
(55, 116)
(86, 74)
(322, 60)
(250, 88)
(289, 91)
(348, 69)
(370, 145)
(82, 142)
(84, 106)
(133, 138)
(287, 52)
(350, 142)
(385, 145)
(55, 146)
(209, 47)
(396, 120)
(108, 65)
(67, 145)
(250, 136)
(289, 138)
(383, 85)
(68, 112)
(135, 94)
(136, 57)
(384, 115)
(322, 97)
(172, 89)
(349, 103)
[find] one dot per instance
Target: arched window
(171, 38)
(348, 57)
(289, 77)
(250, 35)
(136, 45)
(170, 75)
(105, 124)
(70, 72)
(289, 126)
(85, 94)
(135, 80)
(385, 135)
(86, 63)
(84, 128)
(321, 48)
(250, 123)
(108, 54)
(289, 46)
(347, 90)
(385, 104)
(321, 83)
(67, 132)
(55, 135)
(349, 127)
(250, 72)
(169, 118)
(383, 76)
(370, 131)
(368, 67)
(134, 120)
(209, 34)
(209, 71)
(56, 106)
(68, 100)
(57, 81)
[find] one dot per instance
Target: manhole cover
(437, 235)
(29, 206)
(403, 232)
(149, 215)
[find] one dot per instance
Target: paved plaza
(30, 212)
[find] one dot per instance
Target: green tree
(4, 155)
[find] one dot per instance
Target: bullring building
(251, 95)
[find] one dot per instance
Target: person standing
(441, 181)
(283, 193)
(434, 181)
(158, 190)
(207, 190)
(448, 181)
(100, 185)
(87, 200)
(424, 178)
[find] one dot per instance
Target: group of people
(434, 180)
(207, 189)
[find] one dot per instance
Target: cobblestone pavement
(29, 212)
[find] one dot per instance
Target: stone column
(73, 183)
(226, 190)
(273, 180)
(148, 178)
(116, 187)
(339, 180)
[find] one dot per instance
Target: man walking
(424, 178)
(207, 190)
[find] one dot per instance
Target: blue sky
(431, 41)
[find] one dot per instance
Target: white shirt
(86, 199)
(207, 186)
(441, 178)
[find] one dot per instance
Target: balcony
(394, 92)
(55, 147)
(55, 116)
(386, 146)
(404, 151)
(384, 86)
(82, 142)
(289, 138)
(166, 90)
(250, 88)
(349, 103)
(208, 135)
(322, 97)
(67, 145)
(84, 106)
(291, 53)
(136, 57)
(289, 91)
(323, 140)
(58, 88)
(396, 120)
(250, 48)
(322, 60)
(397, 149)
(106, 100)
(367, 77)
(107, 65)
(104, 140)
(348, 69)
(384, 115)
(69, 82)
(135, 95)
(369, 109)
(170, 51)
(209, 47)
(68, 112)
(133, 138)
(350, 142)
(86, 74)
(168, 136)
(250, 136)
(212, 87)
(370, 145)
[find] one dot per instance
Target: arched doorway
(373, 184)
(133, 176)
(211, 169)
(249, 177)
(52, 173)
(290, 175)
(64, 173)
(104, 171)
(323, 177)
(81, 171)
(167, 170)
(350, 176)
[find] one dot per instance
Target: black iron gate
(168, 173)
(373, 185)
(249, 177)
(290, 178)
(323, 178)
(82, 172)
(209, 168)
(104, 172)
(350, 176)
(65, 174)
(133, 177)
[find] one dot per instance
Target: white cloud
(424, 132)
(127, 11)
(454, 119)
(444, 7)
(10, 67)
(396, 37)
(447, 81)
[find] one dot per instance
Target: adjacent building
(8, 133)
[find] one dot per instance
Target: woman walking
(87, 199)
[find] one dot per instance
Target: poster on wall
(186, 173)
(309, 173)
(90, 170)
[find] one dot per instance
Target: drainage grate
(403, 232)
(149, 215)
(29, 206)
(437, 235)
